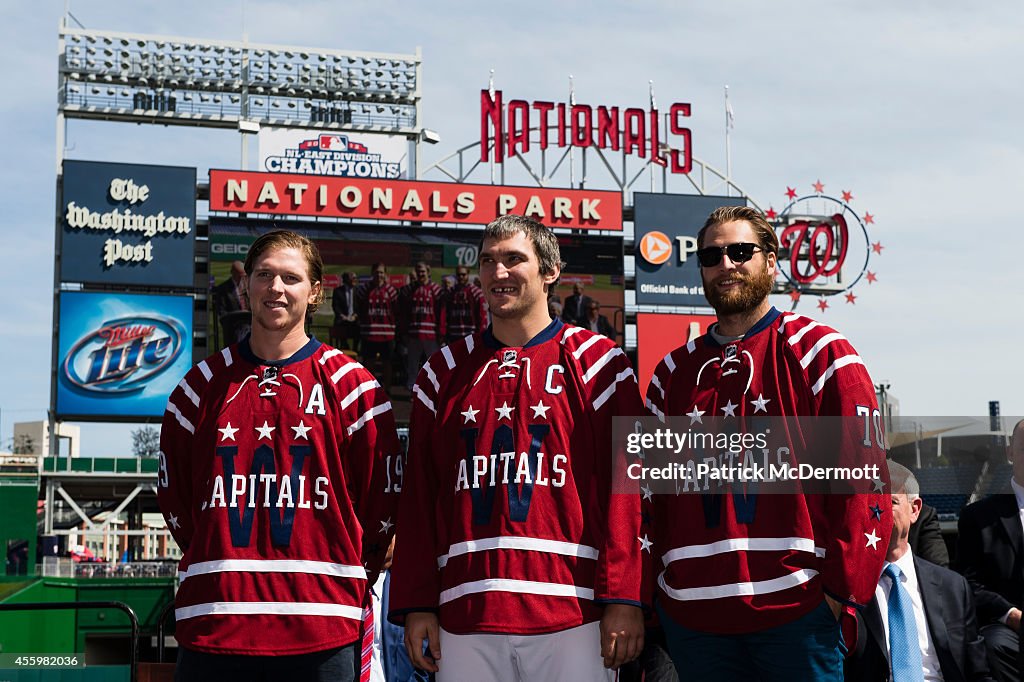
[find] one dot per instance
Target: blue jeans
(809, 648)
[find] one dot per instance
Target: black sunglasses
(741, 252)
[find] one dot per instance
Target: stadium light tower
(114, 76)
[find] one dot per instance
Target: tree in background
(146, 442)
(23, 444)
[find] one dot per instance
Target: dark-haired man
(990, 554)
(754, 585)
(574, 310)
(377, 308)
(517, 560)
(420, 315)
(279, 464)
(464, 310)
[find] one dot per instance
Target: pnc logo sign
(656, 247)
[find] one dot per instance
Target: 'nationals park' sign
(410, 201)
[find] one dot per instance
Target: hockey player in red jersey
(516, 561)
(464, 311)
(377, 307)
(279, 468)
(754, 585)
(420, 306)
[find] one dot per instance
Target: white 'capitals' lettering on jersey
(513, 469)
(248, 489)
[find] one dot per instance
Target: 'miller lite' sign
(128, 224)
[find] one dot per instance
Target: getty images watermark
(782, 455)
(739, 460)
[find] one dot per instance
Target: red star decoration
(847, 196)
(822, 304)
(818, 187)
(850, 298)
(790, 192)
(770, 214)
(794, 295)
(877, 248)
(872, 277)
(869, 219)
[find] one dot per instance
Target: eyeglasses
(740, 252)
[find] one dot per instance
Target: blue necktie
(904, 649)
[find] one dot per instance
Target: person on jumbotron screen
(516, 560)
(464, 311)
(755, 588)
(419, 305)
(377, 309)
(279, 473)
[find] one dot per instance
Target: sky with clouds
(913, 107)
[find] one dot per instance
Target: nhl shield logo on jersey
(509, 355)
(730, 351)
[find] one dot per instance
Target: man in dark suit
(345, 331)
(596, 322)
(921, 623)
(574, 310)
(231, 305)
(990, 554)
(926, 537)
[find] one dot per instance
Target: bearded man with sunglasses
(755, 585)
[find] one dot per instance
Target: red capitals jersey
(738, 563)
(508, 520)
(377, 312)
(464, 312)
(421, 310)
(279, 482)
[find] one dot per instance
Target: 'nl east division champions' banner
(350, 155)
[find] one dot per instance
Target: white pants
(572, 655)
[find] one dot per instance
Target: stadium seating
(999, 479)
(948, 489)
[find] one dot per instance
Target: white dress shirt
(908, 576)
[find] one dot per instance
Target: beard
(752, 291)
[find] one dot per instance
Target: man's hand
(1013, 619)
(837, 607)
(421, 626)
(622, 634)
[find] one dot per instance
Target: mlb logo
(333, 142)
(508, 356)
(730, 352)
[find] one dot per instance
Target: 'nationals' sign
(407, 200)
(631, 131)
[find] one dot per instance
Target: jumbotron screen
(592, 263)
